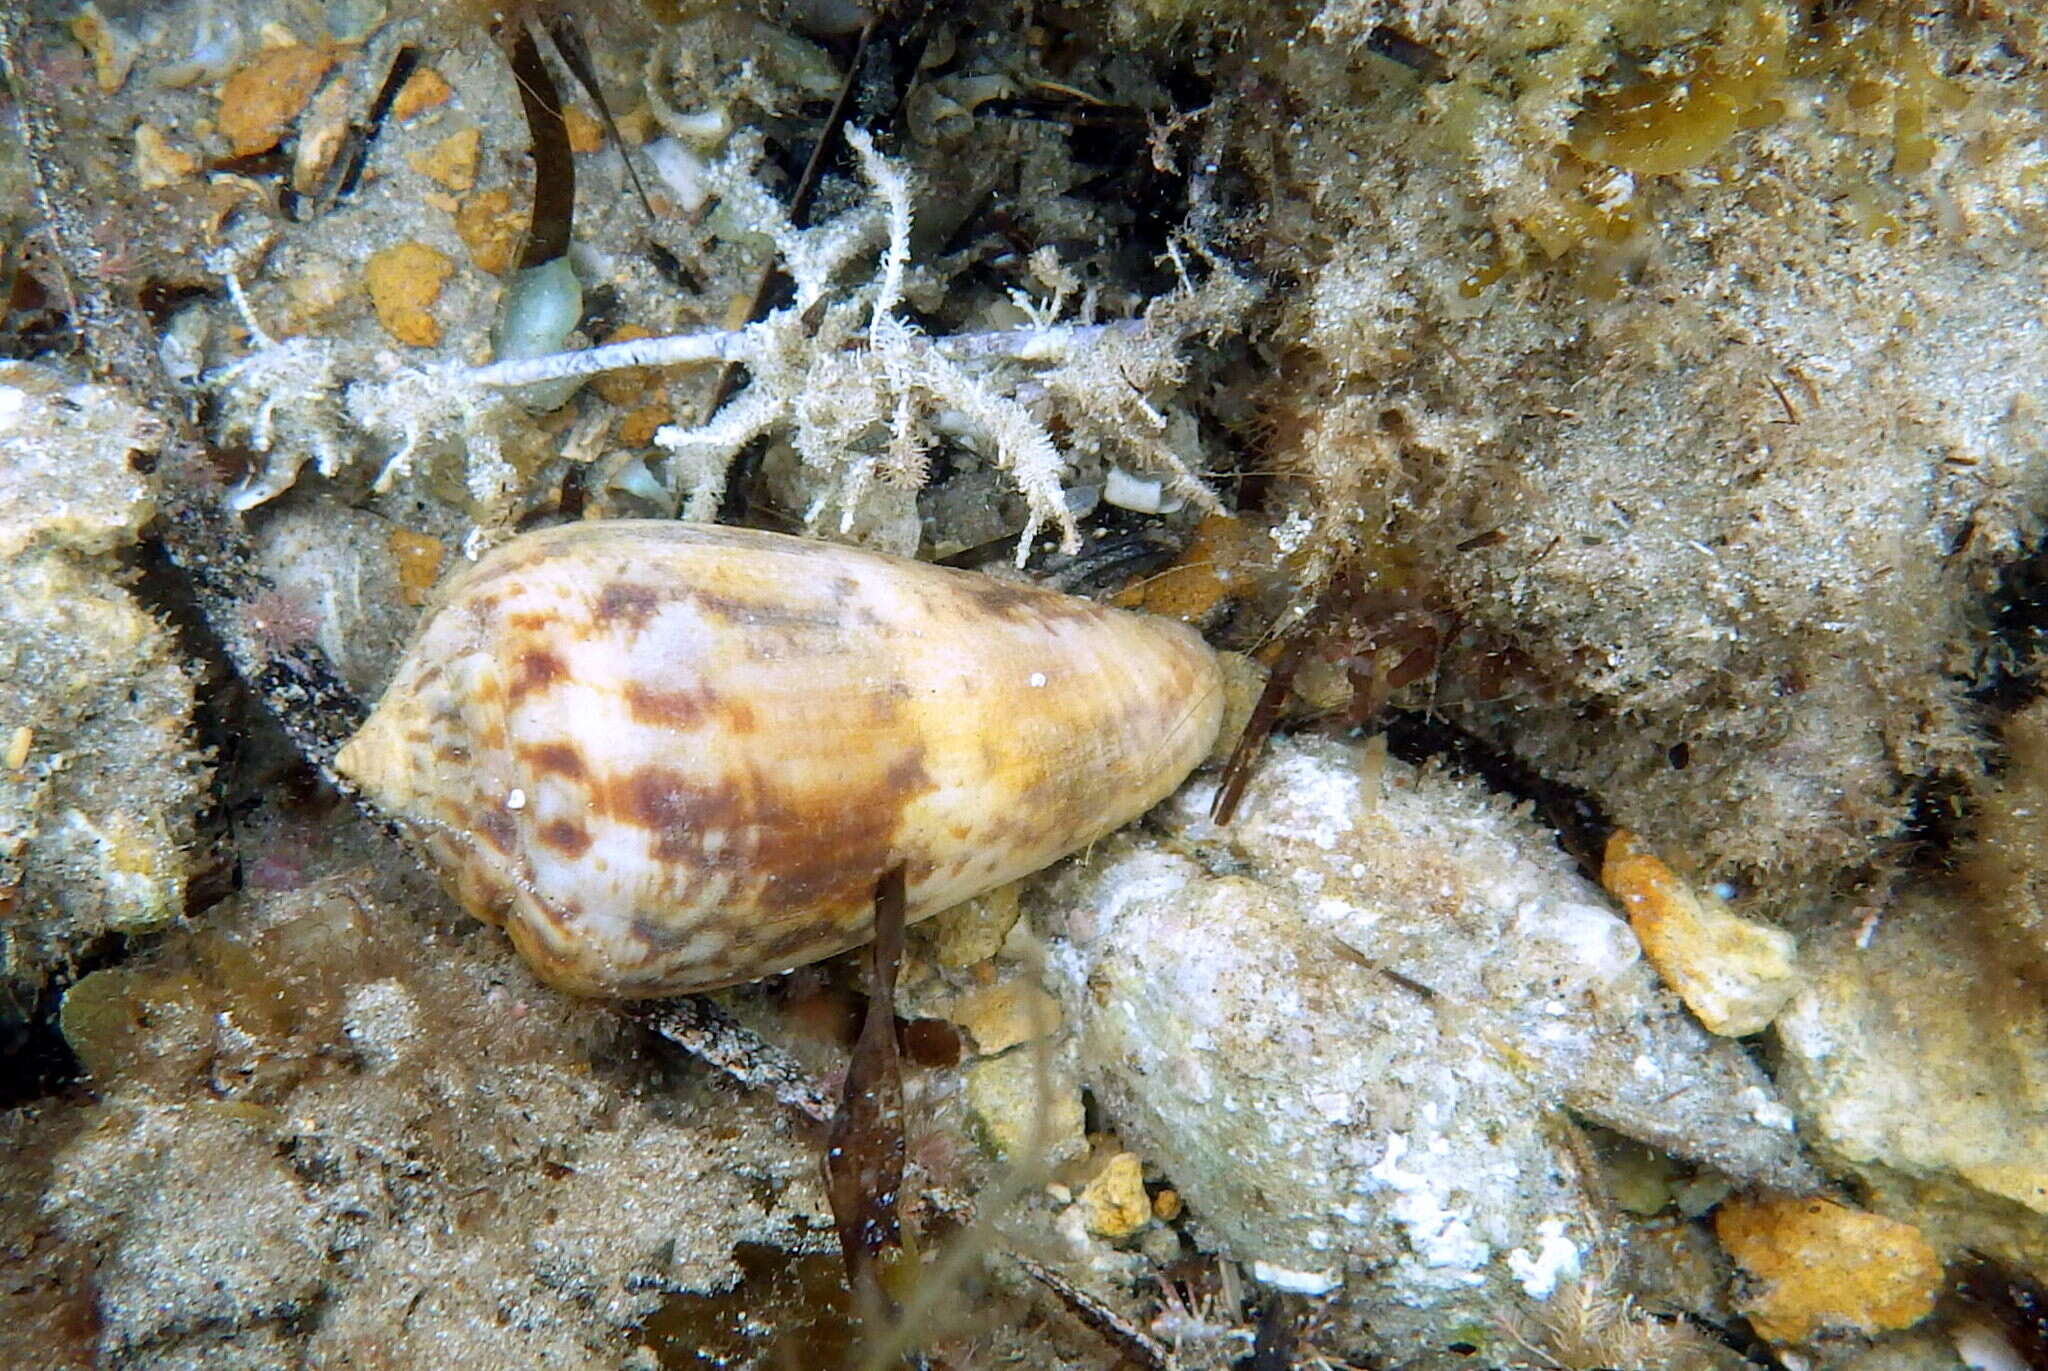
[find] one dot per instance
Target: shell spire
(669, 757)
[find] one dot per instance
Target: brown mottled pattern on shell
(669, 757)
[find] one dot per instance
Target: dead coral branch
(862, 370)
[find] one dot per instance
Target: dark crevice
(2006, 679)
(2013, 1302)
(1739, 1336)
(35, 1061)
(222, 718)
(1581, 822)
(345, 172)
(1938, 821)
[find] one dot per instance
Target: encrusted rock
(1026, 1106)
(318, 1101)
(68, 481)
(1347, 1027)
(1916, 1058)
(96, 815)
(974, 930)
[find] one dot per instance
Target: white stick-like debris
(857, 388)
(722, 346)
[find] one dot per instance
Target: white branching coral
(420, 408)
(860, 392)
(863, 391)
(291, 398)
(293, 375)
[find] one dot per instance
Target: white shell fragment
(1139, 494)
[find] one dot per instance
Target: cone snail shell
(669, 756)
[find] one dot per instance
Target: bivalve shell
(669, 757)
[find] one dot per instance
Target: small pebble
(1115, 1203)
(1141, 494)
(1733, 973)
(259, 102)
(419, 559)
(637, 427)
(1004, 1015)
(157, 162)
(585, 133)
(1816, 1265)
(627, 386)
(404, 281)
(490, 227)
(321, 134)
(452, 161)
(422, 91)
(113, 52)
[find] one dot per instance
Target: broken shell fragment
(669, 757)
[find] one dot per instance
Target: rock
(67, 480)
(98, 797)
(1346, 1026)
(1025, 1108)
(1821, 1267)
(452, 161)
(330, 1119)
(404, 281)
(202, 1180)
(1917, 1059)
(1002, 1016)
(1115, 1203)
(974, 930)
(259, 102)
(1734, 973)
